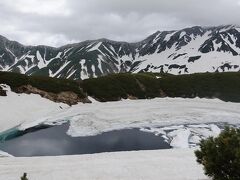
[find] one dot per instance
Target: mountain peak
(189, 50)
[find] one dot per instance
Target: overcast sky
(58, 22)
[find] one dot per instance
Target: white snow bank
(185, 136)
(150, 165)
(180, 138)
(18, 108)
(95, 118)
(4, 154)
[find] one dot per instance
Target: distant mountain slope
(190, 50)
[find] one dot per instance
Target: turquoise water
(9, 134)
(15, 132)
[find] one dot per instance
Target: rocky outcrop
(67, 97)
(2, 92)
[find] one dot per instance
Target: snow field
(139, 165)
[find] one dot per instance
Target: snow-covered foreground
(183, 121)
(161, 164)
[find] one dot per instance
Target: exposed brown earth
(67, 97)
(2, 92)
(132, 97)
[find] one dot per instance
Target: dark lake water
(54, 141)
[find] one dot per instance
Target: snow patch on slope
(60, 69)
(95, 47)
(207, 62)
(41, 63)
(10, 52)
(183, 33)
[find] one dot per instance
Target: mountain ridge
(186, 51)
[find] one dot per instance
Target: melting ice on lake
(55, 140)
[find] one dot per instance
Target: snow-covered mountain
(190, 50)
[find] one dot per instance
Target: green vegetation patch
(116, 86)
(225, 86)
(54, 85)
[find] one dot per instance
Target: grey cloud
(132, 20)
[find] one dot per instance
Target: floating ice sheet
(95, 118)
